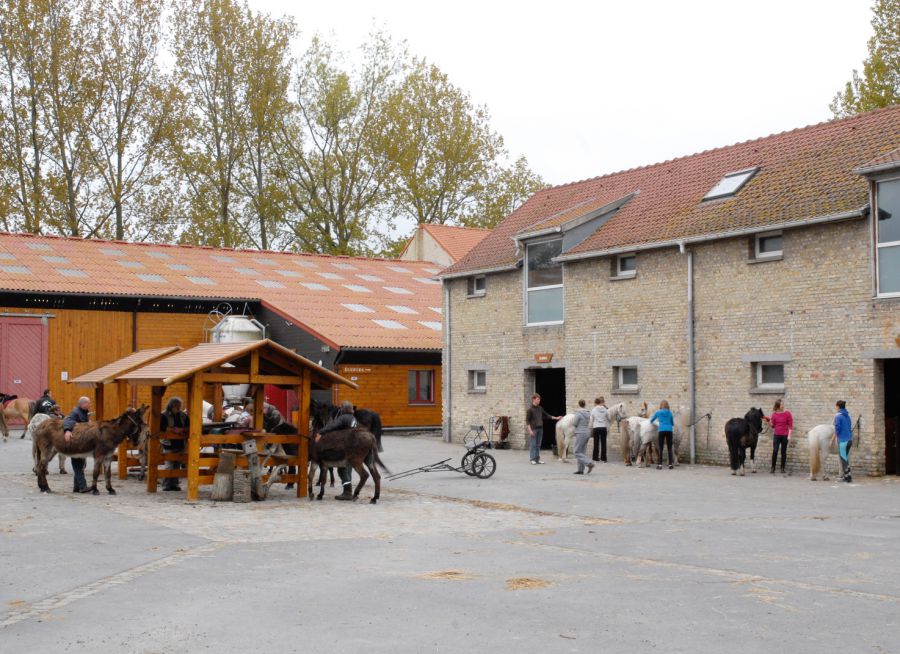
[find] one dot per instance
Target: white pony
(29, 432)
(820, 447)
(565, 436)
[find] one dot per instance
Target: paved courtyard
(533, 559)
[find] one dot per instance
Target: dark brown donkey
(350, 447)
(97, 439)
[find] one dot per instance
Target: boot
(346, 496)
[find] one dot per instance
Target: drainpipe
(692, 366)
(447, 367)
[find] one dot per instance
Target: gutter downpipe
(447, 367)
(692, 366)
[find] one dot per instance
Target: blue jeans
(79, 482)
(534, 443)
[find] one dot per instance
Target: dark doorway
(550, 384)
(892, 416)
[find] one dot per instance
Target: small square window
(477, 380)
(770, 376)
(420, 386)
(626, 265)
(627, 378)
(768, 246)
(477, 286)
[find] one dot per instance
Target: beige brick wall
(816, 305)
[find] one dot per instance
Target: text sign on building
(349, 369)
(545, 357)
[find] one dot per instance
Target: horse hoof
(733, 473)
(111, 491)
(45, 490)
(812, 478)
(63, 472)
(373, 501)
(319, 498)
(753, 471)
(94, 491)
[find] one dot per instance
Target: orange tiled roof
(347, 301)
(887, 160)
(456, 241)
(804, 173)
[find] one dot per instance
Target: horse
(741, 433)
(639, 437)
(565, 436)
(682, 420)
(820, 446)
(14, 408)
(98, 439)
(356, 448)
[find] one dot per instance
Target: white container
(237, 329)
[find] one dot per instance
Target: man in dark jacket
(271, 416)
(44, 404)
(175, 421)
(81, 413)
(343, 420)
(534, 421)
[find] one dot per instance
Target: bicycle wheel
(484, 465)
(466, 463)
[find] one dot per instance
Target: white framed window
(543, 283)
(770, 376)
(477, 286)
(627, 378)
(887, 237)
(768, 246)
(626, 265)
(477, 381)
(730, 184)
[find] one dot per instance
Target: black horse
(741, 433)
(322, 412)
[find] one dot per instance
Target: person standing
(665, 422)
(173, 421)
(44, 404)
(582, 434)
(599, 428)
(843, 434)
(534, 421)
(782, 427)
(81, 413)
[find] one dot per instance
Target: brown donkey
(97, 439)
(356, 448)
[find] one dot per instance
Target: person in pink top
(782, 426)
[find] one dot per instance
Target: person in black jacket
(81, 413)
(175, 421)
(343, 420)
(44, 404)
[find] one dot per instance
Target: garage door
(23, 357)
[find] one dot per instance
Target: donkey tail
(378, 460)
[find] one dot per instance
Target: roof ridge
(474, 229)
(811, 126)
(200, 247)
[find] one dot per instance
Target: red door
(23, 357)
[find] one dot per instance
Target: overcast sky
(587, 88)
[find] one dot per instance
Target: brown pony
(97, 439)
(14, 408)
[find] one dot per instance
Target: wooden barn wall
(383, 388)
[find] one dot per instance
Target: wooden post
(99, 412)
(122, 460)
(195, 413)
(153, 446)
(217, 402)
(303, 398)
(259, 399)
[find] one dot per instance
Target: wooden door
(23, 356)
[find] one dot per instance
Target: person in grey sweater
(582, 436)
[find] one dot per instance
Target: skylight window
(329, 275)
(425, 280)
(306, 264)
(313, 286)
(437, 310)
(155, 279)
(356, 288)
(177, 266)
(269, 283)
(263, 261)
(358, 308)
(113, 252)
(6, 255)
(344, 266)
(246, 271)
(398, 290)
(402, 309)
(71, 272)
(159, 255)
(399, 269)
(436, 326)
(38, 246)
(389, 324)
(289, 273)
(370, 278)
(730, 184)
(433, 271)
(15, 270)
(55, 259)
(131, 264)
(222, 258)
(203, 281)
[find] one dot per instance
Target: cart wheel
(466, 463)
(484, 465)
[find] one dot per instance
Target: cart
(476, 462)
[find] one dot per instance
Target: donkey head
(133, 423)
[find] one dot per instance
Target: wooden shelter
(100, 377)
(209, 366)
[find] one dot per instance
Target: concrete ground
(533, 559)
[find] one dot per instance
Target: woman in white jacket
(599, 428)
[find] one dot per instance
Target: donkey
(97, 439)
(13, 407)
(820, 446)
(322, 412)
(349, 447)
(741, 433)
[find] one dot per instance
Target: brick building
(721, 280)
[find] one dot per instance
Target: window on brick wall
(626, 378)
(624, 266)
(769, 376)
(477, 286)
(768, 246)
(477, 381)
(887, 226)
(543, 283)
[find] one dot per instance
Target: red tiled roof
(887, 160)
(456, 241)
(349, 302)
(805, 173)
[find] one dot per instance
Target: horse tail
(814, 456)
(32, 407)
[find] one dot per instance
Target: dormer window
(730, 184)
(887, 226)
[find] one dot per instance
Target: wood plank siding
(383, 388)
